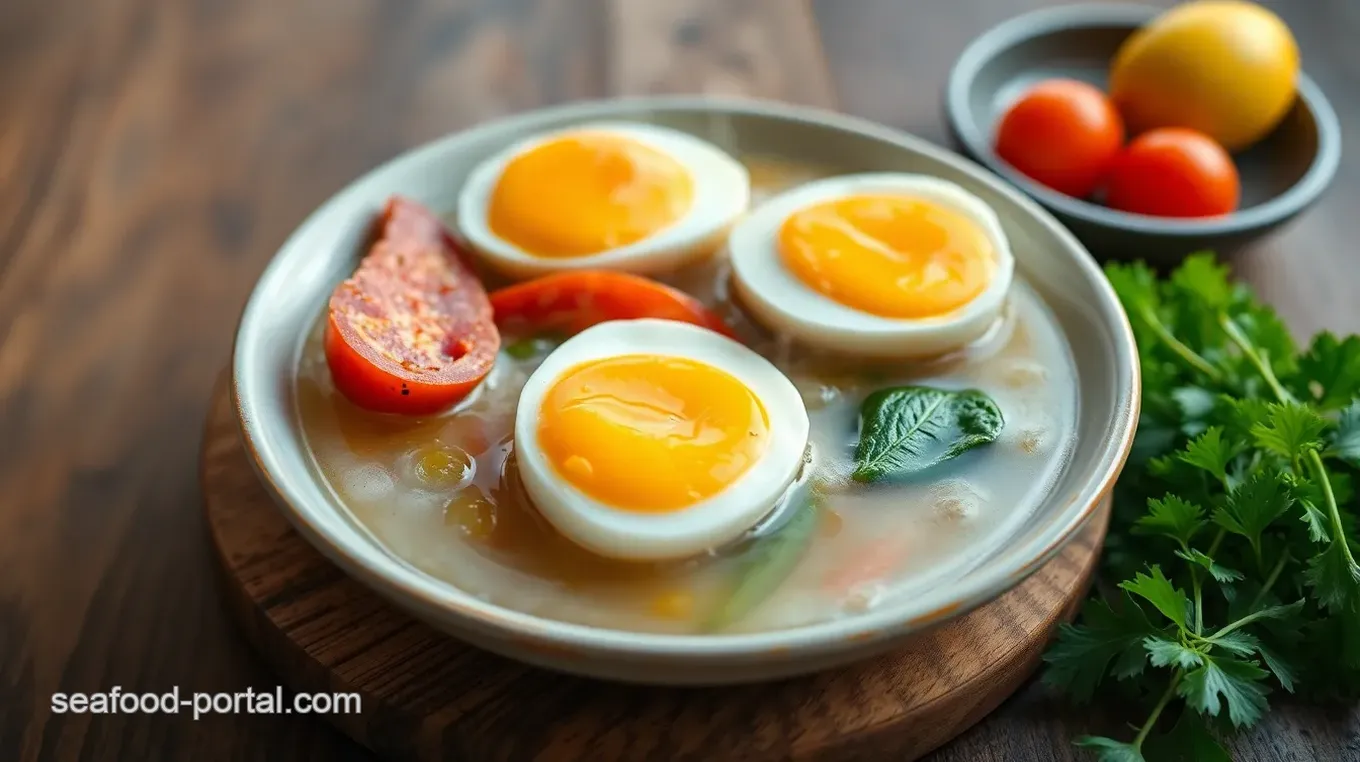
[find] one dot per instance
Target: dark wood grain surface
(153, 154)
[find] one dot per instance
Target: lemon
(1224, 67)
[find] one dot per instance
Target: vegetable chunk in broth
(444, 493)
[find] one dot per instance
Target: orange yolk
(651, 434)
(587, 193)
(888, 255)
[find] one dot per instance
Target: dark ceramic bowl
(1281, 175)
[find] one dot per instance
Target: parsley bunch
(1233, 523)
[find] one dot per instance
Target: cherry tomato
(1061, 133)
(575, 300)
(1174, 172)
(411, 331)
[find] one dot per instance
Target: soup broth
(442, 493)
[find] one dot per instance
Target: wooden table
(154, 153)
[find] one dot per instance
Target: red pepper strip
(570, 302)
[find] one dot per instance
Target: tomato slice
(572, 301)
(411, 331)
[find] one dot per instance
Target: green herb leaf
(1136, 285)
(1334, 577)
(1290, 429)
(1237, 682)
(1208, 451)
(1195, 402)
(765, 566)
(1238, 642)
(1230, 634)
(1279, 667)
(1332, 369)
(1189, 741)
(1195, 294)
(1310, 491)
(1152, 440)
(1171, 516)
(1316, 521)
(1202, 280)
(1239, 431)
(1158, 590)
(1110, 750)
(1175, 472)
(1252, 507)
(1269, 334)
(1283, 612)
(1164, 652)
(1345, 441)
(1216, 570)
(908, 429)
(1245, 413)
(1082, 653)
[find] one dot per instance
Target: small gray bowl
(1281, 175)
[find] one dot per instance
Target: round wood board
(427, 696)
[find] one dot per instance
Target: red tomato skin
(1174, 172)
(377, 389)
(573, 301)
(1063, 134)
(414, 261)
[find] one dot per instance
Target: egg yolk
(888, 255)
(587, 193)
(649, 433)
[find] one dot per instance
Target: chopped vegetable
(528, 349)
(1233, 521)
(472, 513)
(411, 331)
(440, 467)
(570, 302)
(763, 567)
(908, 429)
(872, 563)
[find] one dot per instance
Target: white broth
(442, 492)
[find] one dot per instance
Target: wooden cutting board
(427, 696)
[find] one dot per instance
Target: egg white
(634, 535)
(721, 193)
(782, 302)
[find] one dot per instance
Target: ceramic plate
(326, 247)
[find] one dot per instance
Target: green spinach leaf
(907, 429)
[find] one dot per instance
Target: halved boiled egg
(878, 264)
(626, 196)
(653, 439)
